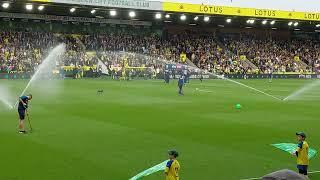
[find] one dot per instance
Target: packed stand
(308, 51)
(277, 56)
(204, 52)
(24, 51)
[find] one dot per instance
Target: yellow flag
(183, 57)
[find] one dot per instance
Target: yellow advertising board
(237, 11)
(225, 9)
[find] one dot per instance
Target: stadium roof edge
(193, 8)
(83, 11)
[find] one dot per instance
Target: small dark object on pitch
(100, 91)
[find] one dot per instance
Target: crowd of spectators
(204, 51)
(308, 52)
(24, 51)
(278, 56)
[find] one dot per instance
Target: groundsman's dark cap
(302, 134)
(173, 153)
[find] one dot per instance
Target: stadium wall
(13, 76)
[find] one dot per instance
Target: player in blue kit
(180, 84)
(22, 108)
(166, 76)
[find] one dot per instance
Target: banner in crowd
(183, 57)
(130, 4)
(73, 19)
(102, 67)
(259, 11)
(175, 66)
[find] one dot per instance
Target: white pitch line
(312, 172)
(257, 90)
(204, 91)
(251, 178)
(310, 96)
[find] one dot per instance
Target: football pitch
(81, 135)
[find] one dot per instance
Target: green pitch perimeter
(80, 135)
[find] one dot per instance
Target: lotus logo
(181, 6)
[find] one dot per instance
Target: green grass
(80, 135)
